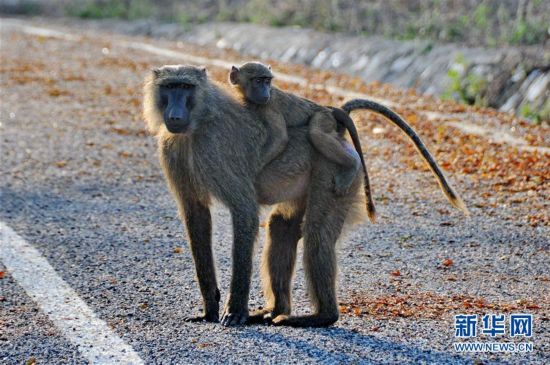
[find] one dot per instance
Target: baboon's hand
(209, 317)
(280, 320)
(260, 316)
(234, 318)
(342, 184)
(344, 179)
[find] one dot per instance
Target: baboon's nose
(176, 116)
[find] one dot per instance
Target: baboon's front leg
(199, 228)
(245, 229)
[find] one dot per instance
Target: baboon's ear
(234, 75)
(155, 72)
(203, 70)
(269, 67)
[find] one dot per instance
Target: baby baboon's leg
(278, 259)
(325, 138)
(199, 227)
(324, 218)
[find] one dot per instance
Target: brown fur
(219, 158)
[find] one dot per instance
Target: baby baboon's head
(253, 80)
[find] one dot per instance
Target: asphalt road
(80, 183)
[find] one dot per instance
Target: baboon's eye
(179, 85)
(257, 81)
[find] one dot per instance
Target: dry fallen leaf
(448, 262)
(55, 92)
(396, 273)
(178, 249)
(120, 131)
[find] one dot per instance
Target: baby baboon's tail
(451, 195)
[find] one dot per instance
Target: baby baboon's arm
(278, 140)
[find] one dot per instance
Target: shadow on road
(381, 350)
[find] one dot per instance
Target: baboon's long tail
(341, 116)
(451, 195)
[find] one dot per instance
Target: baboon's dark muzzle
(263, 100)
(177, 120)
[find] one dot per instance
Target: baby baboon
(279, 110)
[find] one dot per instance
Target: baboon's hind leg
(278, 260)
(324, 219)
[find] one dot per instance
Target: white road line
(76, 321)
(496, 136)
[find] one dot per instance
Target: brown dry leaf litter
(434, 306)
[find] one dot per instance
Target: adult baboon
(209, 147)
(198, 126)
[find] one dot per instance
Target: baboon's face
(177, 99)
(177, 87)
(259, 90)
(254, 81)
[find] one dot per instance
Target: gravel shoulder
(81, 182)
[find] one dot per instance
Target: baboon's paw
(280, 320)
(315, 320)
(214, 318)
(259, 316)
(342, 184)
(234, 319)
